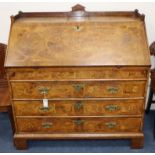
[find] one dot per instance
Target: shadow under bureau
(78, 75)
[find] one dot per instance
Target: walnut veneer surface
(120, 36)
(91, 66)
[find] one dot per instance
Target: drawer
(77, 73)
(39, 90)
(79, 108)
(73, 125)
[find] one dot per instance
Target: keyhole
(77, 27)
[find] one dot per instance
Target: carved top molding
(79, 11)
(78, 7)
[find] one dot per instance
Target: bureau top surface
(66, 41)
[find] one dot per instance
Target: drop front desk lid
(77, 38)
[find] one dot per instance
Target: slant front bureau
(78, 75)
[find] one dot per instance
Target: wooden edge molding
(79, 11)
(80, 136)
(20, 140)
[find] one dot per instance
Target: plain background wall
(7, 9)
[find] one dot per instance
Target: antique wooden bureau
(78, 75)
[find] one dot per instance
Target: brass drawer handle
(111, 124)
(112, 107)
(78, 87)
(79, 122)
(112, 90)
(78, 105)
(47, 125)
(45, 109)
(43, 90)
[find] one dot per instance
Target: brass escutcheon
(77, 28)
(78, 105)
(78, 122)
(111, 124)
(78, 87)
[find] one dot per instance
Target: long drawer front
(78, 73)
(77, 125)
(86, 89)
(79, 107)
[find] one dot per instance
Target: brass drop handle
(79, 122)
(78, 105)
(47, 125)
(112, 107)
(78, 87)
(45, 109)
(111, 124)
(112, 90)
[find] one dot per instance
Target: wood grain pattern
(26, 90)
(92, 67)
(123, 135)
(137, 138)
(79, 108)
(73, 125)
(77, 73)
(108, 38)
